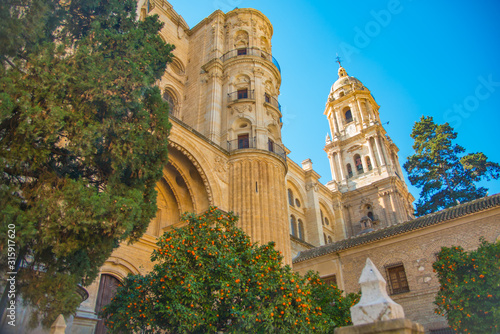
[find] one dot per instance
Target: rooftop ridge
(461, 210)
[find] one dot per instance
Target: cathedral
(226, 150)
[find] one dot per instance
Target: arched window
(359, 164)
(348, 116)
(329, 239)
(168, 96)
(370, 215)
(349, 170)
(369, 163)
(107, 290)
(293, 226)
(290, 197)
(301, 230)
(177, 67)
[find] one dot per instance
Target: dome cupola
(344, 85)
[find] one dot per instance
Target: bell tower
(363, 159)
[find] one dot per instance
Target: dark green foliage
(82, 138)
(446, 176)
(469, 296)
(209, 277)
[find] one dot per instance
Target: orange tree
(210, 277)
(469, 296)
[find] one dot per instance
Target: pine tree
(83, 139)
(439, 167)
(210, 278)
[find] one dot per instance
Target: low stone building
(404, 254)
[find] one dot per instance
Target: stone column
(331, 157)
(379, 151)
(349, 220)
(394, 208)
(214, 101)
(336, 118)
(360, 113)
(372, 157)
(340, 164)
(363, 163)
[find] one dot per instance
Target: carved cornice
(252, 12)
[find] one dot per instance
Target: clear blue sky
(423, 58)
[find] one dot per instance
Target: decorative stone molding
(220, 165)
(198, 168)
(258, 72)
(312, 185)
(188, 185)
(240, 109)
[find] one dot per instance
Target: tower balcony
(245, 142)
(241, 143)
(250, 52)
(241, 94)
(272, 101)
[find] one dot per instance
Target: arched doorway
(107, 290)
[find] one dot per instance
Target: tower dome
(345, 84)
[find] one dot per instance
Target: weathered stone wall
(416, 251)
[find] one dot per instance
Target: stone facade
(225, 149)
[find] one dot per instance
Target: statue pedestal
(394, 326)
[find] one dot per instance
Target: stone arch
(327, 214)
(183, 188)
(347, 113)
(297, 191)
(358, 164)
(188, 185)
(241, 39)
(177, 66)
(163, 37)
(169, 209)
(197, 166)
(119, 267)
(241, 125)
